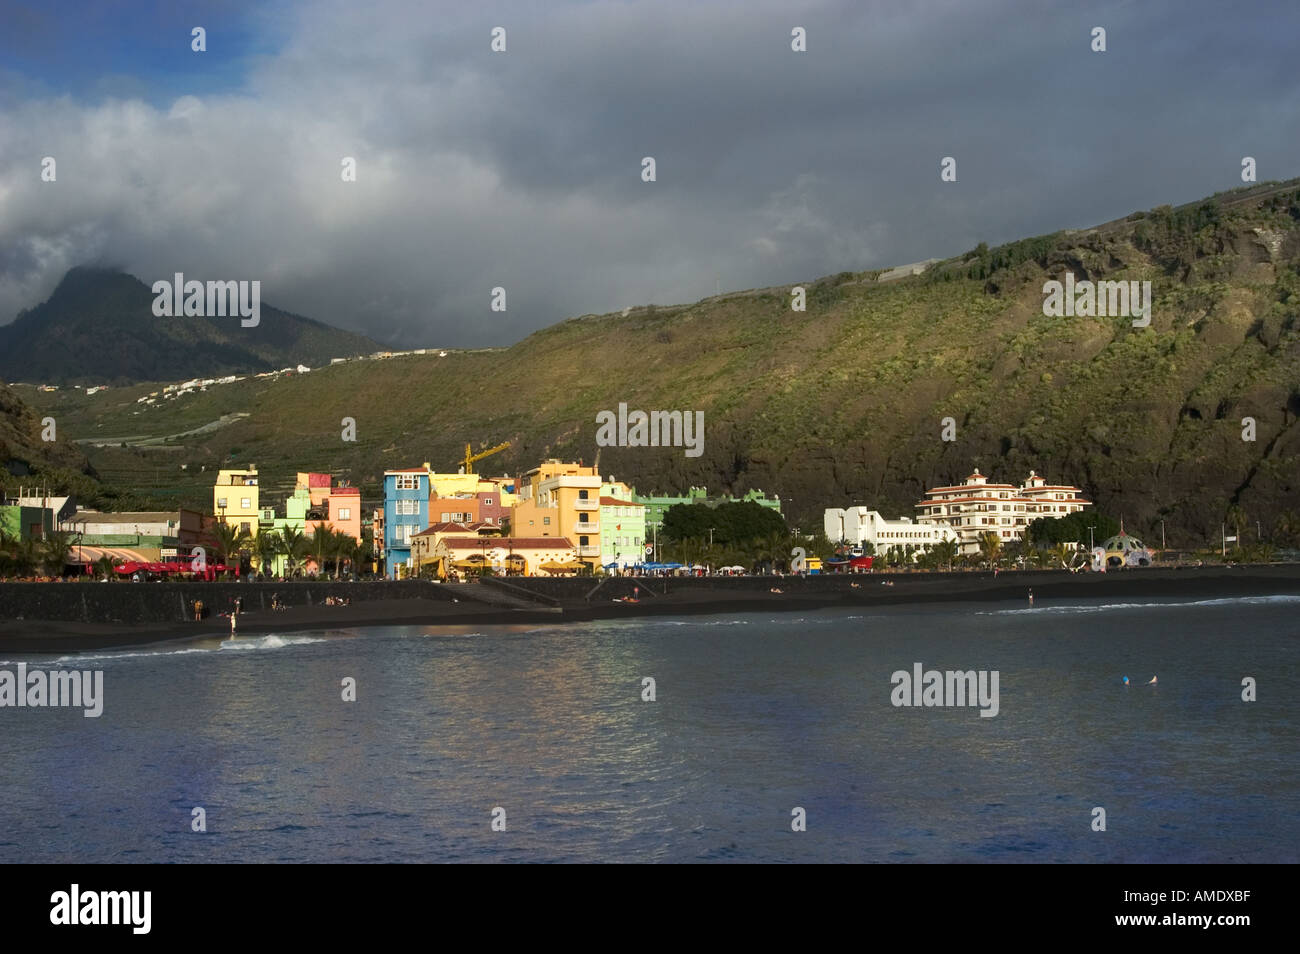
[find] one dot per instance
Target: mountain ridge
(98, 327)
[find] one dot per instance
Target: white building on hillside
(977, 507)
(859, 525)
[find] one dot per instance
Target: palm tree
(294, 546)
(1235, 517)
(346, 549)
(53, 551)
(1061, 554)
(227, 539)
(321, 546)
(268, 546)
(990, 547)
(946, 552)
(104, 568)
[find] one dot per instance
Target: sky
(523, 169)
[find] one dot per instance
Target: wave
(239, 644)
(271, 641)
(1069, 609)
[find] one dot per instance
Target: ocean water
(753, 717)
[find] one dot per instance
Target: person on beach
(198, 610)
(232, 624)
(1031, 597)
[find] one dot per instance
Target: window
(407, 482)
(245, 503)
(244, 526)
(582, 495)
(487, 501)
(546, 521)
(221, 503)
(407, 508)
(582, 541)
(345, 513)
(582, 518)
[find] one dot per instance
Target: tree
(324, 547)
(1072, 528)
(1061, 554)
(990, 547)
(294, 546)
(945, 552)
(53, 551)
(104, 568)
(268, 546)
(346, 549)
(227, 540)
(1235, 517)
(820, 546)
(1287, 526)
(732, 522)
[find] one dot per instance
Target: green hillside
(841, 404)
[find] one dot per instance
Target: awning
(89, 554)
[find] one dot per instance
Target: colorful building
(528, 556)
(235, 499)
(336, 507)
(560, 499)
(406, 513)
(424, 543)
(622, 523)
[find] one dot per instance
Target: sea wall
(122, 602)
(1186, 582)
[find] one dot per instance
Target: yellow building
(559, 499)
(234, 498)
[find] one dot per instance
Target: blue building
(406, 513)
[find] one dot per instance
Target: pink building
(336, 507)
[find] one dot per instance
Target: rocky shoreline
(87, 617)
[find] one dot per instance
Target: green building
(657, 506)
(622, 528)
(26, 523)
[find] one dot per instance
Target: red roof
(454, 527)
(346, 492)
(615, 502)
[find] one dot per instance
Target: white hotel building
(977, 507)
(859, 525)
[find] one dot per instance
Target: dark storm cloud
(522, 169)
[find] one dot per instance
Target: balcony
(588, 551)
(586, 505)
(592, 528)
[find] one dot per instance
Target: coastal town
(558, 518)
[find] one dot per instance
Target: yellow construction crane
(470, 456)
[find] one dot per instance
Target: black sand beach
(534, 600)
